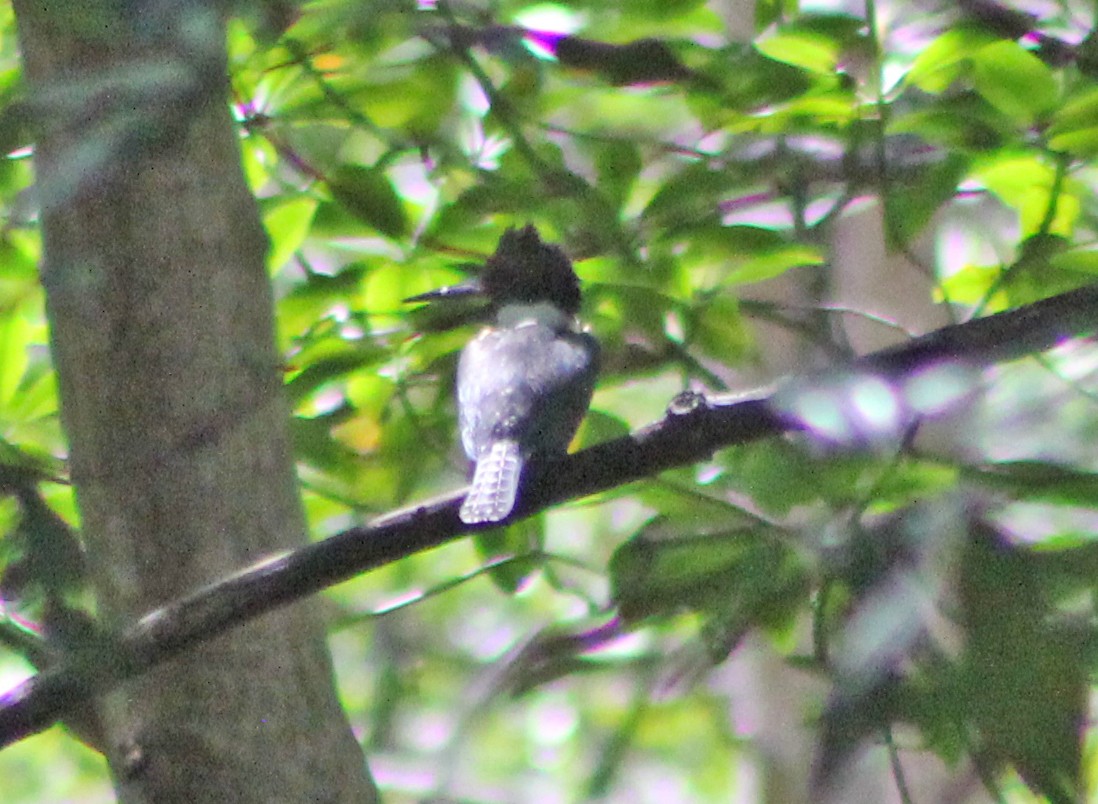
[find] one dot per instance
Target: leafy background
(926, 593)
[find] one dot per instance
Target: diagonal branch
(695, 426)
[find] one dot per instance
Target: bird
(525, 381)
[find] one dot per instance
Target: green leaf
(738, 81)
(1083, 261)
(971, 284)
(618, 163)
(15, 335)
(52, 556)
(769, 12)
(1026, 182)
(315, 447)
(814, 42)
(341, 360)
(36, 399)
(947, 58)
(775, 263)
(287, 224)
(739, 255)
(641, 61)
(1081, 142)
(910, 209)
(1014, 81)
(1086, 55)
(691, 194)
(959, 122)
(806, 49)
(1026, 678)
(719, 331)
(517, 539)
(368, 195)
(23, 465)
(662, 9)
(599, 426)
(737, 579)
(657, 573)
(1039, 481)
(313, 300)
(386, 287)
(1074, 127)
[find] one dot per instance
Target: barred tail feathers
(495, 484)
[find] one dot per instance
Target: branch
(641, 61)
(1010, 23)
(695, 426)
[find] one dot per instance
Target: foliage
(944, 592)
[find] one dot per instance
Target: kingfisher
(525, 381)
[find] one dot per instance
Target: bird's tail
(495, 484)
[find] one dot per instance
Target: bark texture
(161, 325)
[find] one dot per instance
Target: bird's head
(523, 271)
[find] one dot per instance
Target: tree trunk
(161, 330)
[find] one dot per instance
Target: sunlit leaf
(815, 42)
(1014, 81)
(15, 335)
(947, 58)
(287, 226)
(1025, 182)
(1074, 125)
(971, 285)
(805, 49)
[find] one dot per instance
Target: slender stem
(897, 767)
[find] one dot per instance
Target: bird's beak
(448, 293)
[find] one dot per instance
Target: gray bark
(161, 329)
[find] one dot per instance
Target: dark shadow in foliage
(1015, 695)
(894, 573)
(737, 578)
(1024, 672)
